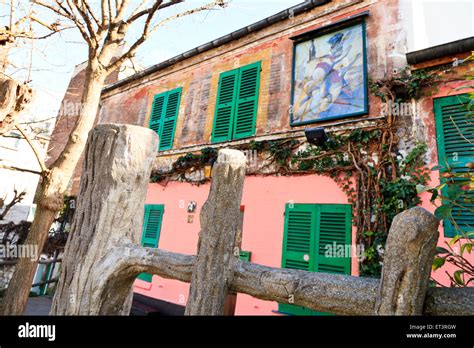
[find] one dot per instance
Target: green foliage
(281, 154)
(396, 195)
(438, 262)
(363, 137)
(415, 81)
(188, 162)
(338, 158)
(444, 211)
(456, 187)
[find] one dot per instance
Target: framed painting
(329, 74)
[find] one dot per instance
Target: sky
(49, 63)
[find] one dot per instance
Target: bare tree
(16, 28)
(17, 198)
(103, 26)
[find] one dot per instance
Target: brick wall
(199, 76)
(272, 46)
(67, 117)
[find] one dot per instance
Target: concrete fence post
(109, 213)
(213, 270)
(409, 254)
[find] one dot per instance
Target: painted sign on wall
(329, 75)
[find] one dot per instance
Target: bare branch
(104, 11)
(3, 166)
(62, 11)
(39, 121)
(91, 13)
(138, 14)
(33, 147)
(17, 198)
(86, 33)
(120, 10)
(147, 31)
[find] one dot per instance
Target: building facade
(311, 66)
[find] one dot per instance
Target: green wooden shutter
(334, 227)
(157, 112)
(247, 101)
(455, 139)
(164, 114)
(170, 115)
(223, 117)
(151, 230)
(308, 229)
(299, 237)
(298, 245)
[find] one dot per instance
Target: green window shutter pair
(164, 114)
(237, 103)
(455, 139)
(151, 230)
(309, 228)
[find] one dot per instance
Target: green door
(310, 231)
(455, 139)
(151, 230)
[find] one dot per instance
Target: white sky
(53, 59)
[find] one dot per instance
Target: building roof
(439, 51)
(237, 34)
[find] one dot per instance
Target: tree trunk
(109, 213)
(220, 217)
(52, 191)
(409, 254)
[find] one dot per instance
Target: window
(164, 114)
(237, 102)
(151, 230)
(310, 231)
(455, 138)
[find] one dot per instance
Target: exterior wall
(66, 120)
(264, 199)
(456, 84)
(69, 112)
(199, 75)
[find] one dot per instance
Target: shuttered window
(237, 103)
(309, 228)
(164, 114)
(455, 138)
(151, 230)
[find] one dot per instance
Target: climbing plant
(364, 164)
(378, 180)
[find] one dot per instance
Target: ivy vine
(378, 181)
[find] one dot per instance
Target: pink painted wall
(444, 90)
(264, 199)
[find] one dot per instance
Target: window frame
(313, 34)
